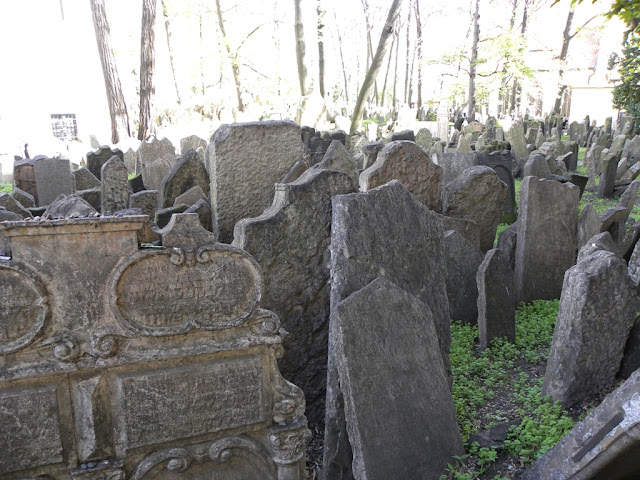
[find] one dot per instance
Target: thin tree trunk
(344, 70)
(566, 38)
(147, 66)
(365, 9)
(386, 75)
(395, 74)
(407, 95)
(202, 89)
(300, 47)
(383, 46)
(419, 51)
(413, 63)
(115, 97)
(471, 108)
(235, 68)
(168, 32)
(321, 71)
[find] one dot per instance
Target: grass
(6, 188)
(504, 383)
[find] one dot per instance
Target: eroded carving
(289, 402)
(289, 443)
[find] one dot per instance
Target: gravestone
(12, 205)
(337, 157)
(83, 179)
(589, 224)
(157, 158)
(592, 160)
(633, 172)
(370, 153)
(547, 229)
(507, 241)
(601, 241)
(464, 143)
(424, 139)
(69, 206)
(502, 163)
(114, 194)
(130, 158)
(594, 319)
(407, 162)
(25, 199)
(462, 259)
(407, 135)
(496, 299)
(203, 210)
(387, 353)
(608, 167)
(604, 445)
(467, 228)
(518, 141)
(53, 178)
(146, 200)
(102, 155)
(453, 164)
(92, 197)
(24, 177)
(290, 242)
(188, 172)
(477, 194)
(245, 160)
(394, 235)
(192, 142)
(191, 196)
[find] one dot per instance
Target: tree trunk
(115, 98)
(407, 96)
(321, 72)
(344, 70)
(300, 47)
(386, 75)
(472, 64)
(147, 66)
(383, 46)
(419, 51)
(168, 32)
(395, 74)
(235, 68)
(566, 38)
(365, 9)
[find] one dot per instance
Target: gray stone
(192, 142)
(617, 145)
(68, 206)
(157, 158)
(24, 177)
(8, 216)
(464, 143)
(114, 186)
(633, 172)
(631, 358)
(102, 155)
(536, 166)
(188, 172)
(202, 208)
(589, 224)
(518, 140)
(467, 228)
(93, 196)
(601, 241)
(370, 152)
(407, 135)
(462, 259)
(338, 158)
(547, 231)
(387, 353)
(23, 198)
(424, 139)
(454, 163)
(628, 198)
(580, 181)
(478, 194)
(385, 231)
(290, 241)
(163, 215)
(53, 178)
(296, 171)
(136, 184)
(603, 446)
(191, 196)
(634, 265)
(594, 319)
(84, 179)
(12, 205)
(407, 162)
(130, 159)
(496, 299)
(503, 163)
(146, 200)
(608, 167)
(507, 241)
(245, 161)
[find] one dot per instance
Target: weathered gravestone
(547, 229)
(370, 153)
(407, 162)
(603, 446)
(157, 158)
(502, 163)
(384, 232)
(192, 142)
(83, 179)
(144, 362)
(24, 177)
(387, 355)
(518, 141)
(188, 172)
(337, 157)
(245, 161)
(114, 186)
(146, 200)
(453, 164)
(25, 199)
(130, 158)
(496, 299)
(424, 139)
(53, 178)
(69, 206)
(191, 196)
(477, 194)
(102, 155)
(462, 260)
(608, 167)
(597, 308)
(12, 205)
(536, 166)
(290, 242)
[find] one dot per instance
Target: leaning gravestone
(156, 158)
(290, 242)
(25, 199)
(597, 308)
(114, 186)
(496, 299)
(53, 178)
(453, 164)
(385, 231)
(462, 260)
(192, 142)
(24, 177)
(478, 194)
(140, 363)
(547, 231)
(387, 353)
(407, 162)
(188, 172)
(337, 157)
(245, 160)
(11, 204)
(102, 155)
(83, 179)
(604, 445)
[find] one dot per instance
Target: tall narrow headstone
(547, 231)
(95, 160)
(156, 158)
(188, 172)
(608, 168)
(387, 356)
(53, 178)
(462, 259)
(114, 185)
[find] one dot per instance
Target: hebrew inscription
(184, 402)
(172, 291)
(22, 308)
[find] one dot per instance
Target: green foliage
(6, 188)
(626, 95)
(534, 328)
(501, 228)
